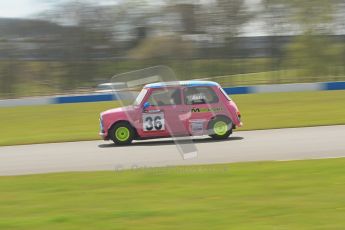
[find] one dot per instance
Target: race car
(173, 109)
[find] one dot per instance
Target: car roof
(112, 83)
(191, 83)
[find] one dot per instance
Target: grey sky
(21, 8)
(27, 8)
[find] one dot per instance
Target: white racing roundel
(153, 121)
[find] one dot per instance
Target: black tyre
(220, 128)
(122, 133)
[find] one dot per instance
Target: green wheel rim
(220, 128)
(122, 133)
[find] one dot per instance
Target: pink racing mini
(169, 109)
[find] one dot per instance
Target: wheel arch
(220, 116)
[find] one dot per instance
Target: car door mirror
(146, 105)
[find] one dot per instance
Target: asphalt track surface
(261, 145)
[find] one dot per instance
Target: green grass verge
(287, 110)
(265, 195)
(72, 122)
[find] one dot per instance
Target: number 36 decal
(153, 122)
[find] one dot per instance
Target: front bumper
(239, 119)
(102, 133)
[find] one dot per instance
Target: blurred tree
(88, 30)
(314, 56)
(186, 14)
(225, 17)
(168, 47)
(277, 19)
(129, 22)
(8, 78)
(231, 15)
(313, 50)
(9, 70)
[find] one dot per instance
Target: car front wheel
(122, 133)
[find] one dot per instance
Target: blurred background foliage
(76, 45)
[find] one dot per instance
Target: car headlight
(101, 124)
(239, 116)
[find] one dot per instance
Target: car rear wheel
(122, 133)
(220, 128)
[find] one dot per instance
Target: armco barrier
(238, 90)
(333, 86)
(84, 98)
(298, 87)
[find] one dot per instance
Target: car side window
(200, 95)
(168, 96)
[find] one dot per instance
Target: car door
(163, 116)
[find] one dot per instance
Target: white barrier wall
(26, 101)
(299, 87)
